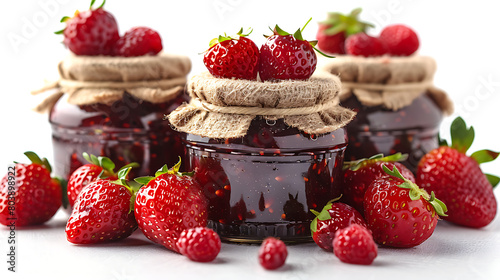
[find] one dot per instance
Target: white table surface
(452, 252)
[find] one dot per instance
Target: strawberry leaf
(355, 165)
(484, 156)
(314, 226)
(278, 31)
(438, 205)
(144, 180)
(298, 35)
(494, 180)
(107, 164)
(461, 136)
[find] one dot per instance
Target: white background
(461, 35)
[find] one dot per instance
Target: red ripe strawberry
(169, 203)
(138, 41)
(354, 244)
(199, 244)
(103, 212)
(285, 56)
(362, 44)
(334, 216)
(230, 58)
(458, 180)
(400, 40)
(358, 175)
(333, 31)
(399, 213)
(92, 32)
(272, 253)
(29, 196)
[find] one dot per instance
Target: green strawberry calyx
(323, 215)
(225, 37)
(66, 18)
(349, 24)
(416, 193)
(462, 138)
(360, 163)
(298, 35)
(106, 164)
(131, 186)
(34, 158)
(164, 170)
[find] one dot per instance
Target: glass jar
(128, 130)
(265, 183)
(411, 130)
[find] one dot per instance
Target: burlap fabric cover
(393, 82)
(104, 79)
(224, 108)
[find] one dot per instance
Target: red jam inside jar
(128, 130)
(265, 183)
(411, 130)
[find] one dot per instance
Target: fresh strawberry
(230, 57)
(28, 195)
(398, 212)
(285, 56)
(103, 212)
(362, 44)
(199, 244)
(334, 216)
(169, 203)
(138, 41)
(272, 253)
(400, 40)
(354, 244)
(458, 180)
(92, 32)
(358, 175)
(333, 31)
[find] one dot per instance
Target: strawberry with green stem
(286, 56)
(398, 212)
(230, 57)
(333, 31)
(103, 211)
(458, 180)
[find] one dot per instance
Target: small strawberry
(285, 56)
(103, 212)
(272, 253)
(358, 175)
(333, 31)
(199, 244)
(400, 40)
(354, 244)
(169, 203)
(458, 180)
(92, 32)
(362, 44)
(398, 212)
(97, 168)
(334, 216)
(138, 41)
(230, 57)
(28, 195)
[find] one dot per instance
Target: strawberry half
(398, 212)
(30, 196)
(103, 212)
(230, 57)
(333, 31)
(286, 56)
(458, 180)
(169, 203)
(358, 175)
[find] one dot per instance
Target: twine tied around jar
(392, 82)
(224, 108)
(103, 79)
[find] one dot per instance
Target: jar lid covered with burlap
(399, 107)
(114, 107)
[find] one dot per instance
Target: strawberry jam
(265, 183)
(128, 130)
(411, 130)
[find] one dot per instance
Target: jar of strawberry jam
(265, 154)
(115, 107)
(398, 108)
